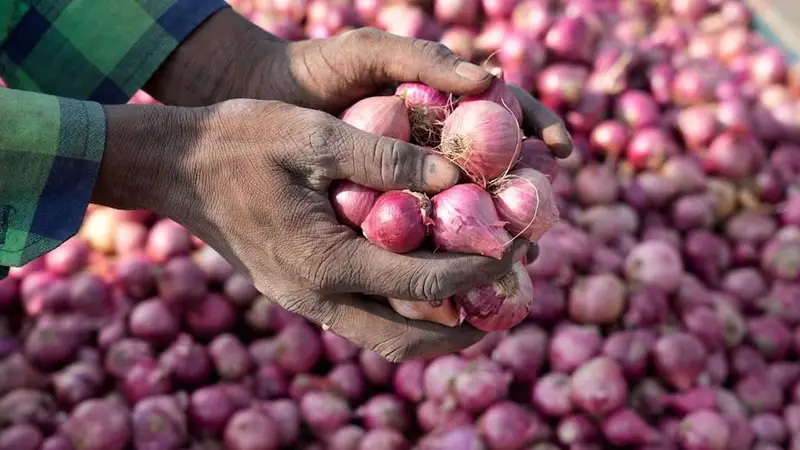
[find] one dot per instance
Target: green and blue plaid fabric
(81, 53)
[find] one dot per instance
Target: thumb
(395, 58)
(386, 164)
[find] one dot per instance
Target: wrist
(149, 157)
(219, 61)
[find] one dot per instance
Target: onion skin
(499, 93)
(598, 387)
(499, 306)
(483, 138)
(398, 221)
(352, 202)
(536, 155)
(525, 200)
(384, 116)
(427, 108)
(465, 221)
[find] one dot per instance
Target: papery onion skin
(499, 93)
(465, 221)
(483, 138)
(427, 109)
(384, 116)
(525, 200)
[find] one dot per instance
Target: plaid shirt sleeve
(93, 51)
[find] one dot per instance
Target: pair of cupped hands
(251, 177)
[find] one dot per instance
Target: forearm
(149, 152)
(220, 60)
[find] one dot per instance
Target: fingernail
(471, 72)
(438, 172)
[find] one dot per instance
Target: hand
(332, 74)
(251, 179)
(228, 57)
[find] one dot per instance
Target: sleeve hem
(183, 17)
(45, 219)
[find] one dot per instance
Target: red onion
(524, 200)
(560, 85)
(649, 148)
(427, 108)
(631, 349)
(576, 429)
(573, 345)
(324, 412)
(21, 437)
(679, 358)
(598, 386)
(570, 38)
(376, 369)
(181, 282)
(483, 138)
(456, 12)
(465, 221)
(552, 394)
(210, 316)
(384, 411)
(626, 427)
(346, 438)
(299, 348)
(210, 408)
(252, 428)
(167, 240)
(481, 383)
(439, 375)
(496, 9)
(383, 438)
(704, 430)
(507, 425)
(159, 422)
(461, 40)
(596, 184)
(408, 380)
(501, 305)
(532, 17)
(186, 361)
(398, 221)
(352, 202)
(99, 424)
(145, 379)
(522, 353)
(349, 380)
(598, 299)
(610, 138)
(286, 414)
(537, 156)
(655, 264)
(384, 116)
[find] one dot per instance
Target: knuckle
(435, 50)
(431, 285)
(397, 164)
(396, 349)
(366, 35)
